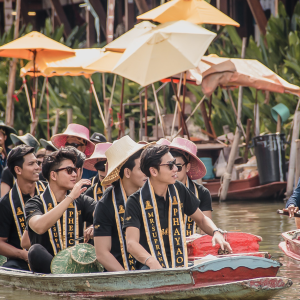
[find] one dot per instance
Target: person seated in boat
(97, 162)
(154, 224)
(7, 179)
(126, 177)
(190, 168)
(22, 163)
(77, 136)
(54, 227)
(293, 204)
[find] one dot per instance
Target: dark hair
(53, 161)
(178, 153)
(80, 156)
(130, 163)
(41, 154)
(50, 148)
(151, 157)
(16, 157)
(100, 165)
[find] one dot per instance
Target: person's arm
(10, 251)
(292, 205)
(25, 242)
(208, 226)
(41, 223)
(103, 248)
(138, 251)
(5, 188)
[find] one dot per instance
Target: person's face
(3, 138)
(165, 175)
(185, 168)
(136, 176)
(76, 142)
(39, 162)
(30, 170)
(102, 175)
(79, 174)
(64, 180)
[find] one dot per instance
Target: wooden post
(278, 128)
(259, 15)
(291, 173)
(9, 116)
(121, 109)
(146, 111)
(69, 116)
(249, 121)
(90, 28)
(110, 20)
(205, 119)
(61, 17)
(55, 127)
(129, 14)
(132, 128)
(235, 146)
(158, 111)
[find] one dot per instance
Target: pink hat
(197, 169)
(163, 142)
(76, 130)
(98, 155)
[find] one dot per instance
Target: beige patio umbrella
(121, 43)
(166, 50)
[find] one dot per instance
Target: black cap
(98, 138)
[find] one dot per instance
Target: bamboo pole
(48, 109)
(158, 111)
(291, 172)
(248, 131)
(9, 116)
(278, 127)
(28, 99)
(97, 101)
(121, 109)
(146, 111)
(235, 147)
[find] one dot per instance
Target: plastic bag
(220, 165)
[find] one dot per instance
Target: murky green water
(259, 218)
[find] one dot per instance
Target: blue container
(209, 167)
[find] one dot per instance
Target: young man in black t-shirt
(126, 177)
(22, 163)
(154, 214)
(54, 227)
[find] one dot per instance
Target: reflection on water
(254, 217)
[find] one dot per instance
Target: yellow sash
(98, 191)
(190, 225)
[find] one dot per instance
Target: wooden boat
(291, 244)
(246, 189)
(222, 278)
(242, 243)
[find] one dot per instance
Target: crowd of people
(135, 202)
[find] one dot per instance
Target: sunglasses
(180, 166)
(170, 164)
(69, 170)
(75, 145)
(39, 163)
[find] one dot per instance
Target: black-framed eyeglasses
(170, 164)
(180, 166)
(69, 170)
(76, 145)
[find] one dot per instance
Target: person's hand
(219, 239)
(88, 233)
(291, 210)
(153, 264)
(24, 255)
(78, 189)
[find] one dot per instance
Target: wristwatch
(220, 230)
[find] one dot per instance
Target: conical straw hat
(117, 155)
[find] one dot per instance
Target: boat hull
(290, 246)
(243, 276)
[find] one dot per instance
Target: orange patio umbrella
(194, 11)
(29, 47)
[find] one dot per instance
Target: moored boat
(291, 244)
(220, 278)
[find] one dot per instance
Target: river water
(255, 217)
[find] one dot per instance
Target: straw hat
(76, 130)
(163, 141)
(8, 130)
(197, 169)
(26, 139)
(98, 155)
(46, 144)
(117, 155)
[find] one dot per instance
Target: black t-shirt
(105, 223)
(134, 218)
(204, 197)
(7, 177)
(85, 206)
(8, 227)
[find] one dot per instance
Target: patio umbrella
(121, 43)
(166, 50)
(194, 11)
(29, 47)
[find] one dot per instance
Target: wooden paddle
(286, 213)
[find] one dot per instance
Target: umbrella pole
(97, 101)
(48, 109)
(34, 87)
(28, 100)
(146, 112)
(121, 109)
(180, 111)
(41, 100)
(158, 111)
(183, 95)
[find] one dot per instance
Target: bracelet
(70, 197)
(147, 259)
